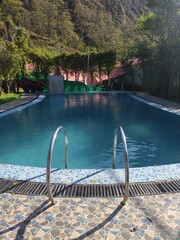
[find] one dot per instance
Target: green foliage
(52, 19)
(159, 48)
(74, 86)
(144, 50)
(71, 25)
(109, 59)
(11, 11)
(21, 38)
(9, 64)
(63, 63)
(151, 25)
(42, 58)
(5, 98)
(95, 26)
(164, 5)
(102, 62)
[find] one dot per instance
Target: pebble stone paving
(143, 217)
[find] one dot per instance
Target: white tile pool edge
(91, 176)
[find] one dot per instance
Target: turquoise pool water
(153, 135)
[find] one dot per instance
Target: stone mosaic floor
(33, 217)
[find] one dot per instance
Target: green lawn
(4, 98)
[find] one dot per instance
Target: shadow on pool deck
(33, 217)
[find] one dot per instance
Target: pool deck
(163, 104)
(153, 217)
(24, 99)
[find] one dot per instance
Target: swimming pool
(152, 134)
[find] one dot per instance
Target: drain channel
(91, 190)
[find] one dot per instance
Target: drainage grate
(113, 190)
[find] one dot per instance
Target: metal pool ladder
(126, 160)
(49, 158)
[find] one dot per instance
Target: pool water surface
(90, 119)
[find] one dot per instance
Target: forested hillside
(67, 24)
(61, 34)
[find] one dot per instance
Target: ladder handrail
(50, 151)
(126, 160)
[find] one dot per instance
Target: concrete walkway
(25, 98)
(160, 101)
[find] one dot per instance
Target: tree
(42, 59)
(66, 32)
(21, 39)
(40, 22)
(151, 25)
(109, 61)
(95, 26)
(162, 32)
(11, 10)
(92, 65)
(99, 63)
(63, 61)
(9, 67)
(77, 63)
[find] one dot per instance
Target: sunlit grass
(4, 98)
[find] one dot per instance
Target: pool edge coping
(90, 176)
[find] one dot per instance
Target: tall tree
(9, 66)
(109, 61)
(161, 30)
(42, 59)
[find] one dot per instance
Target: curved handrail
(48, 170)
(126, 160)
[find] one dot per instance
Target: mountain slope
(72, 23)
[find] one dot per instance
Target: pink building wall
(86, 77)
